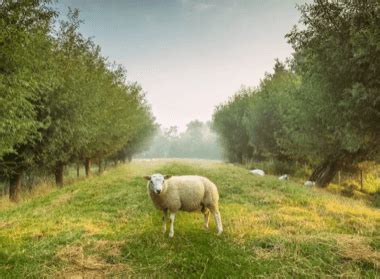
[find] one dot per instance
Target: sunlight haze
(188, 55)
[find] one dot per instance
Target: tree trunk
(15, 187)
(78, 167)
(87, 165)
(339, 180)
(325, 173)
(59, 174)
(101, 167)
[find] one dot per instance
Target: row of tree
(198, 141)
(61, 101)
(322, 107)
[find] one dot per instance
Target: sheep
(309, 183)
(284, 177)
(185, 193)
(257, 172)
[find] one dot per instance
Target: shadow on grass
(189, 254)
(197, 253)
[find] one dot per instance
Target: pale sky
(189, 55)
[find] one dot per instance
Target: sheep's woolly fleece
(187, 193)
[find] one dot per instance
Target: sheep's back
(191, 191)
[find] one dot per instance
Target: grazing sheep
(257, 172)
(284, 177)
(309, 183)
(186, 193)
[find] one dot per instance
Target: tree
(228, 122)
(63, 101)
(337, 55)
(25, 79)
(268, 109)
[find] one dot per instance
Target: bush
(348, 191)
(284, 167)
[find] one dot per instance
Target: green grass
(106, 226)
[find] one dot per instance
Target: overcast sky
(189, 55)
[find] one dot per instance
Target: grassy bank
(107, 226)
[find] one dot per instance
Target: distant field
(106, 226)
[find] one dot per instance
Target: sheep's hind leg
(164, 216)
(218, 219)
(206, 214)
(172, 217)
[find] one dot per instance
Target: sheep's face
(156, 182)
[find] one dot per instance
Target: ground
(106, 226)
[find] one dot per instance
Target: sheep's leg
(218, 219)
(172, 217)
(206, 214)
(164, 216)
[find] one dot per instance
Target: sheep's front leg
(164, 216)
(172, 217)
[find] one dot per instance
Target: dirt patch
(80, 265)
(357, 248)
(109, 248)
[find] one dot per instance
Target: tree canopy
(62, 102)
(323, 106)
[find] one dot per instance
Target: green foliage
(24, 74)
(228, 122)
(62, 101)
(324, 108)
(337, 56)
(253, 124)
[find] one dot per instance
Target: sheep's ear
(167, 176)
(147, 177)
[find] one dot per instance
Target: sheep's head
(156, 182)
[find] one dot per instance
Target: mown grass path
(107, 227)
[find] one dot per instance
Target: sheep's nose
(158, 191)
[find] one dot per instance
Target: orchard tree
(337, 55)
(25, 81)
(228, 122)
(268, 109)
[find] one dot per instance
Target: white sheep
(257, 172)
(186, 193)
(284, 177)
(309, 183)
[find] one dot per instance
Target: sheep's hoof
(171, 234)
(219, 232)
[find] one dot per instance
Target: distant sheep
(309, 183)
(257, 172)
(284, 177)
(186, 193)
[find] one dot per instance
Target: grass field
(106, 226)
